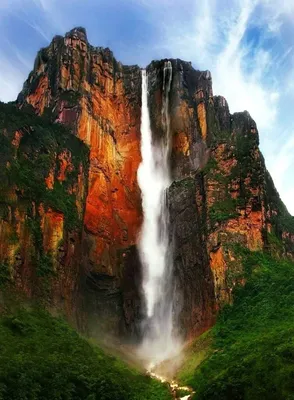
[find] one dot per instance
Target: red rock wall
(221, 196)
(96, 96)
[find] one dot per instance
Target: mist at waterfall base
(160, 342)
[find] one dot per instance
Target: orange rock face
(65, 165)
(201, 111)
(100, 109)
(181, 143)
(219, 270)
(50, 180)
(221, 196)
(113, 203)
(39, 99)
(238, 223)
(16, 140)
(52, 224)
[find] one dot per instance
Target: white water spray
(159, 342)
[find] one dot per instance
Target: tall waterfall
(154, 247)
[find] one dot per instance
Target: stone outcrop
(70, 203)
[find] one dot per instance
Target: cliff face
(99, 99)
(87, 89)
(44, 173)
(222, 195)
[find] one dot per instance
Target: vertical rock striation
(85, 88)
(70, 206)
(44, 172)
(222, 195)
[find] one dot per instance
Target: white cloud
(217, 44)
(252, 75)
(248, 75)
(281, 165)
(288, 196)
(43, 17)
(44, 4)
(12, 78)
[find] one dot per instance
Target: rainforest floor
(42, 357)
(249, 353)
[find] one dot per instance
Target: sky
(248, 45)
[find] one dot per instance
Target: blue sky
(247, 44)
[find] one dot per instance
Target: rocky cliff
(85, 88)
(44, 179)
(222, 195)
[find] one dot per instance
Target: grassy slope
(194, 354)
(43, 358)
(252, 350)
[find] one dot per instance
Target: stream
(174, 386)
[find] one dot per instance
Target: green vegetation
(223, 210)
(182, 393)
(184, 183)
(193, 357)
(13, 238)
(210, 165)
(43, 262)
(70, 96)
(36, 156)
(45, 265)
(252, 353)
(35, 228)
(286, 222)
(281, 218)
(276, 245)
(248, 164)
(4, 274)
(43, 358)
(62, 201)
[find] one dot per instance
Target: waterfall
(154, 247)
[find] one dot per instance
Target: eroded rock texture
(222, 196)
(85, 88)
(44, 174)
(70, 202)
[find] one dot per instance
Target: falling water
(155, 250)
